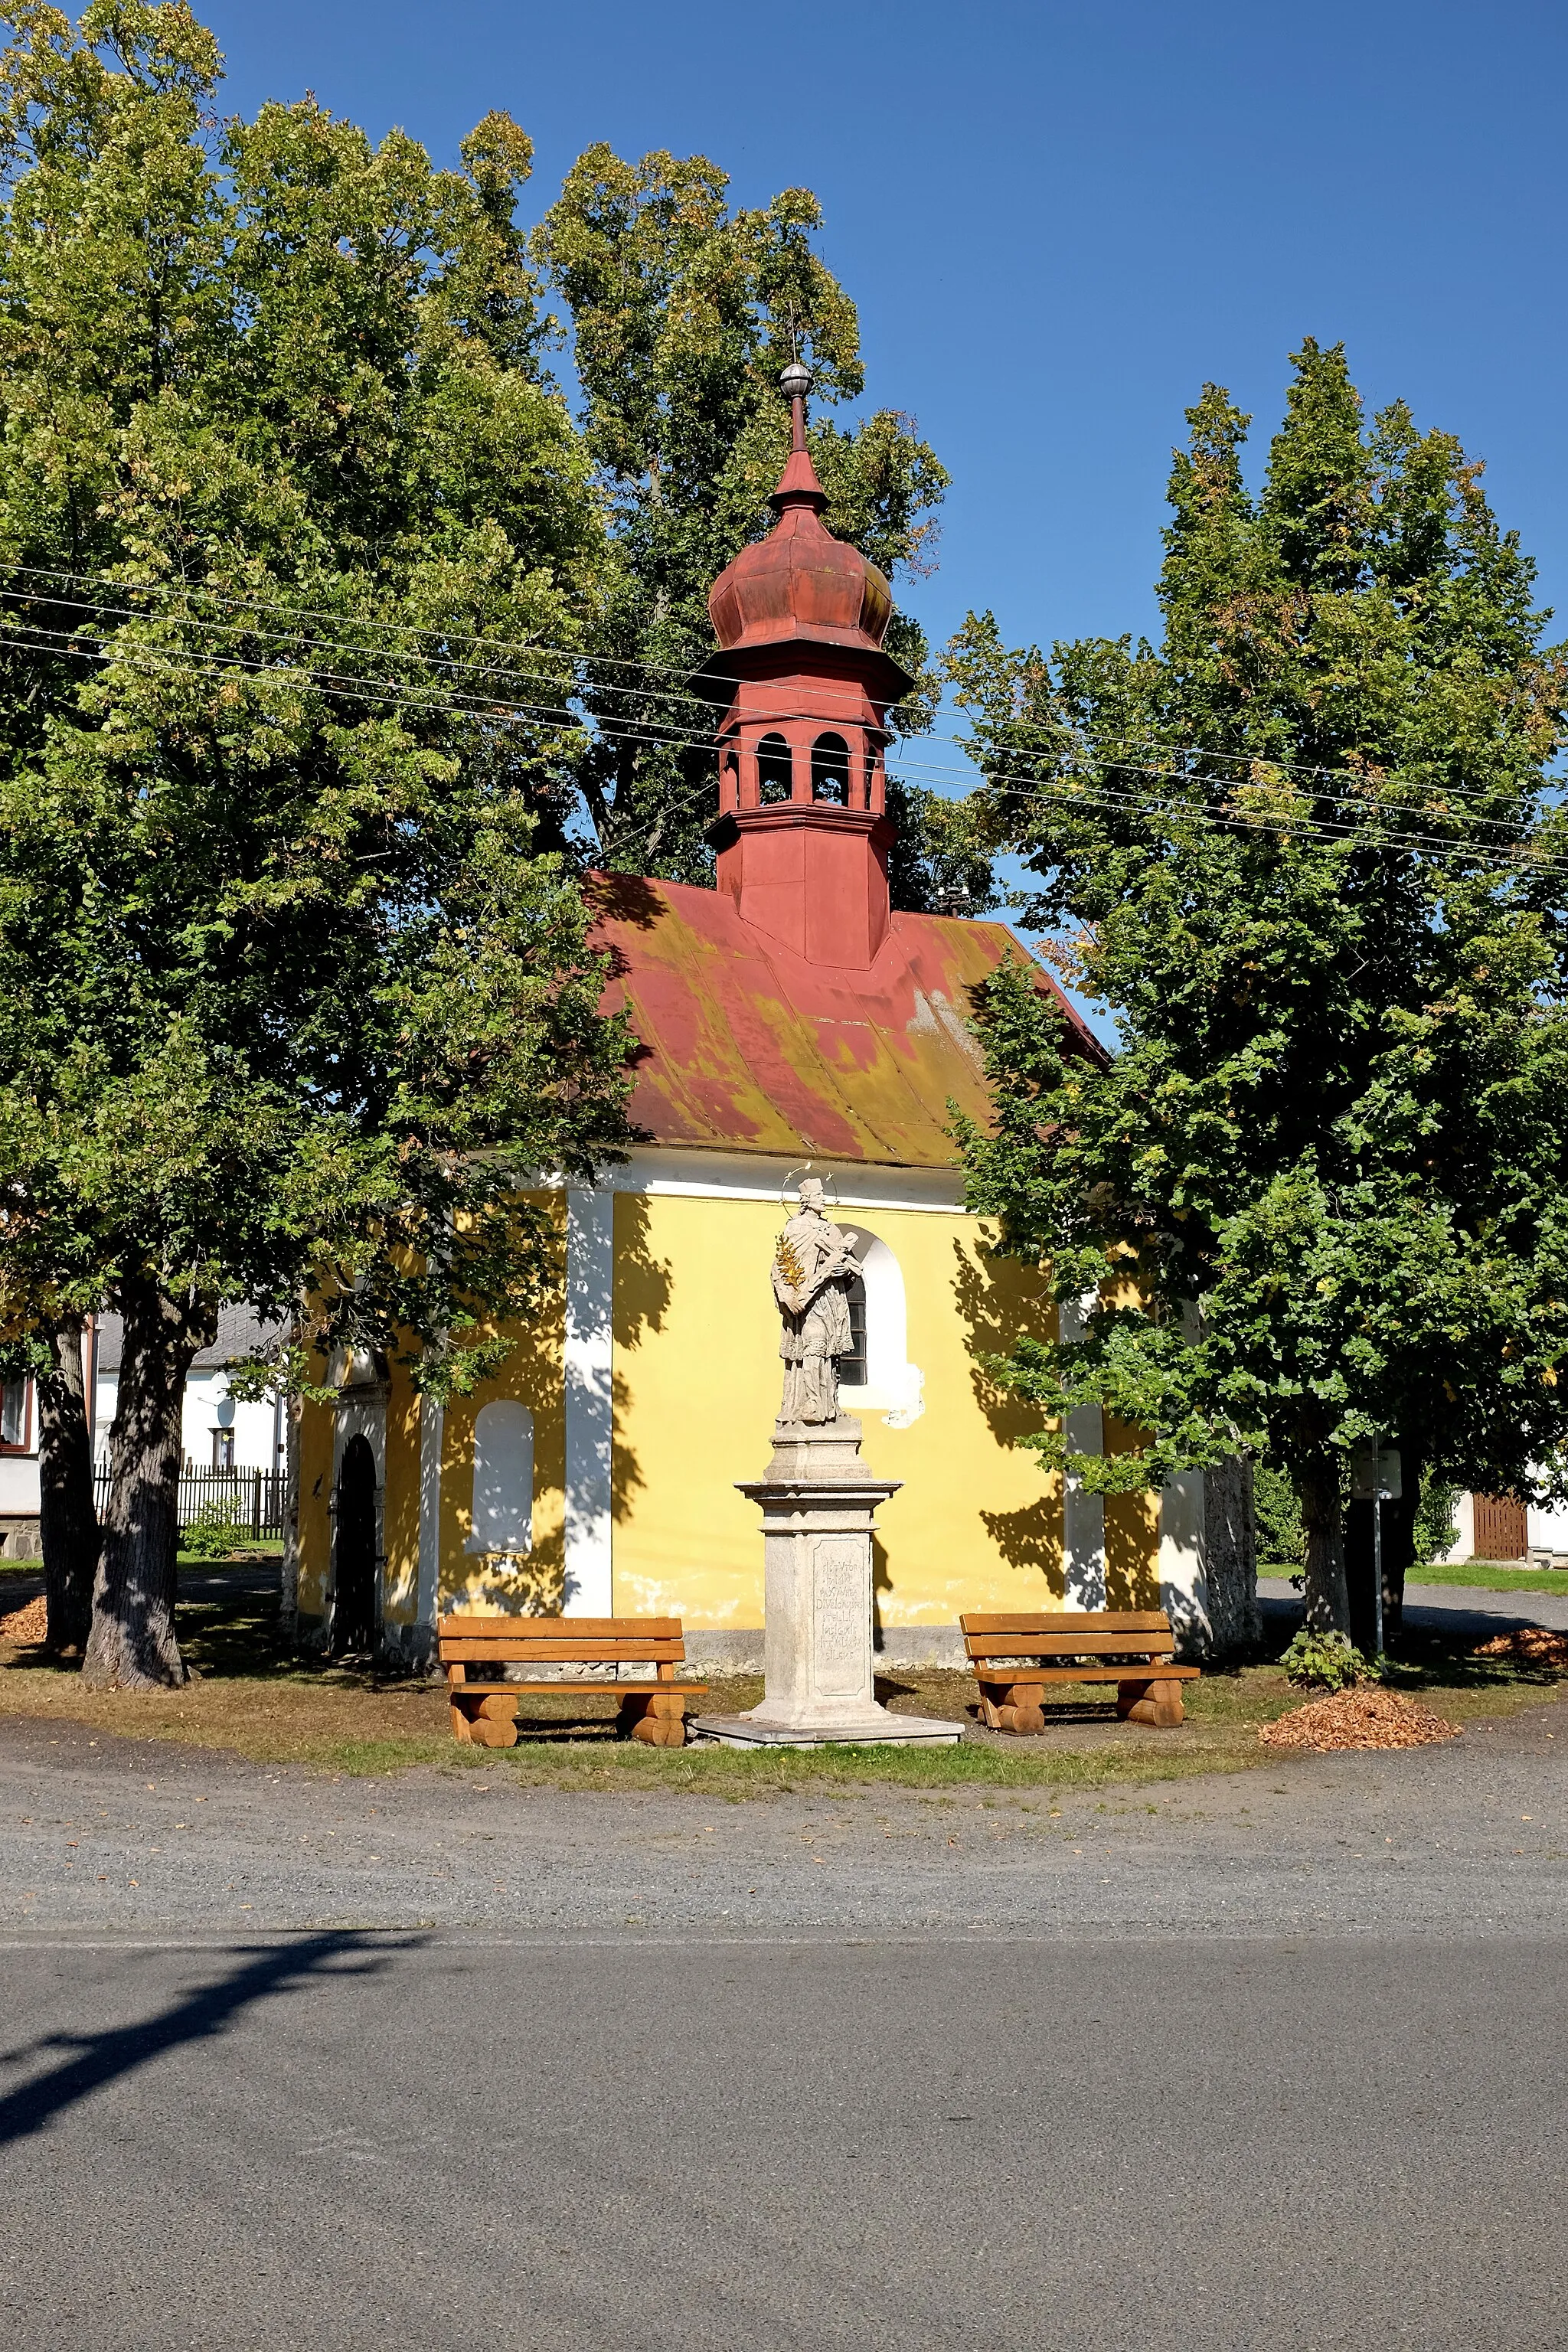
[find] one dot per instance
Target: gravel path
(104, 1836)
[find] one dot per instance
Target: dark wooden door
(1502, 1529)
(354, 1552)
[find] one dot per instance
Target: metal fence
(252, 1498)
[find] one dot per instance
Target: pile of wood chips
(1530, 1645)
(1365, 1718)
(26, 1624)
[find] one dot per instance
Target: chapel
(791, 1021)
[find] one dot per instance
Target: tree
(295, 540)
(683, 314)
(1310, 851)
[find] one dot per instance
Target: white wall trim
(1183, 1562)
(1083, 1514)
(757, 1176)
(590, 1401)
(428, 1596)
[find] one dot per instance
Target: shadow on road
(98, 2059)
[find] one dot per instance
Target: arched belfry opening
(804, 687)
(830, 771)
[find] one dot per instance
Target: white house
(219, 1432)
(1500, 1527)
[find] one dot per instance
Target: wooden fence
(1502, 1527)
(254, 1497)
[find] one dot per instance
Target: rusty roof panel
(747, 1046)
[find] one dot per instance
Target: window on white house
(14, 1414)
(223, 1449)
(503, 1478)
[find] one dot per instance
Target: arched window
(852, 1363)
(503, 1478)
(875, 1376)
(830, 769)
(775, 771)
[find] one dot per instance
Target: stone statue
(812, 1268)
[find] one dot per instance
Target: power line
(654, 734)
(590, 658)
(338, 686)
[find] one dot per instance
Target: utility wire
(341, 686)
(590, 659)
(653, 733)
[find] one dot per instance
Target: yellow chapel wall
(535, 1375)
(978, 1524)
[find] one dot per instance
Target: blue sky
(1058, 221)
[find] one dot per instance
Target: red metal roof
(748, 1047)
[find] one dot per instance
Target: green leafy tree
(1308, 850)
(295, 1001)
(683, 313)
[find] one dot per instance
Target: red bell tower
(802, 833)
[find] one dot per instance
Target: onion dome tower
(802, 831)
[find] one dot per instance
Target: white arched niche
(503, 1478)
(893, 1386)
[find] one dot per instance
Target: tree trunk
(1317, 1485)
(131, 1645)
(1398, 1553)
(288, 1614)
(65, 1512)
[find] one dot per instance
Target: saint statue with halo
(812, 1268)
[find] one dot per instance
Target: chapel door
(354, 1562)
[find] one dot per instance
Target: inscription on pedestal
(841, 1605)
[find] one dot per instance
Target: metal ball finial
(796, 380)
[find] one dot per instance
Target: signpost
(1375, 1479)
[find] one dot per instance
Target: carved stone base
(818, 1503)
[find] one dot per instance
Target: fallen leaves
(1530, 1645)
(25, 1626)
(1366, 1717)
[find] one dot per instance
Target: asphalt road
(1266, 2061)
(374, 2143)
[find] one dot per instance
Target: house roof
(240, 1332)
(747, 1046)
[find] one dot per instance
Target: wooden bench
(487, 1711)
(1130, 1648)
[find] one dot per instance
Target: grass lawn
(1479, 1575)
(1486, 1576)
(251, 1697)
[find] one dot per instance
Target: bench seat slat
(1158, 1671)
(484, 1690)
(1069, 1645)
(633, 1648)
(1067, 1621)
(573, 1628)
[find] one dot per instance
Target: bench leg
(1017, 1708)
(489, 1722)
(1156, 1700)
(493, 1731)
(656, 1717)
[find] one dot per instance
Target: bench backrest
(561, 1641)
(1068, 1633)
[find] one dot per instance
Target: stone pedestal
(818, 1503)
